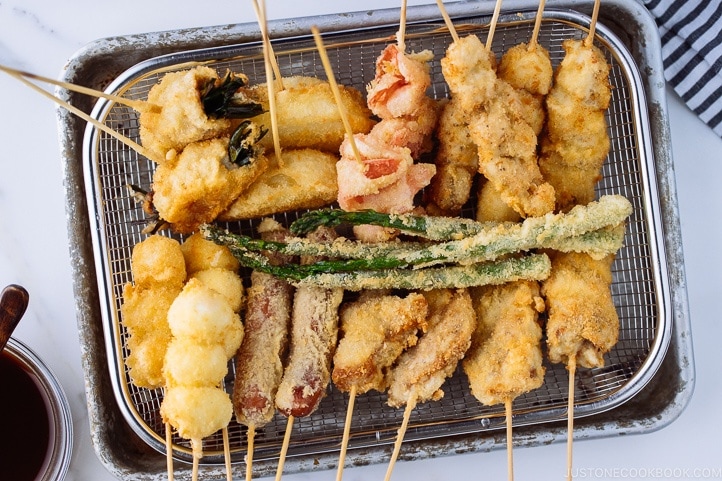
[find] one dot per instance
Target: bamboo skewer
(572, 367)
(99, 125)
(227, 454)
(410, 405)
(139, 105)
(346, 433)
(447, 21)
(197, 455)
(492, 25)
(509, 439)
(268, 64)
(335, 90)
(169, 450)
(401, 36)
(593, 24)
(284, 448)
(537, 26)
(251, 437)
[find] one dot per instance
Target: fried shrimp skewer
(422, 369)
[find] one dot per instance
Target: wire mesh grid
(353, 56)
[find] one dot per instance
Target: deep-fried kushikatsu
(505, 357)
(379, 172)
(506, 143)
(260, 359)
(195, 104)
(422, 369)
(308, 116)
(159, 273)
(375, 329)
(576, 142)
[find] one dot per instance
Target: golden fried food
(200, 254)
(201, 183)
(423, 368)
(506, 143)
(145, 361)
(456, 160)
(491, 207)
(376, 329)
(225, 282)
(196, 412)
(305, 180)
(158, 260)
(308, 116)
(583, 324)
(179, 118)
(202, 314)
(576, 143)
(189, 363)
(505, 357)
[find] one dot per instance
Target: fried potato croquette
(305, 180)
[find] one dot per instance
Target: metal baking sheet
(647, 287)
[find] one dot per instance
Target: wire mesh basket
(639, 286)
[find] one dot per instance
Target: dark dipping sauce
(25, 428)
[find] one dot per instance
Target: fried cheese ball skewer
(423, 368)
(505, 357)
(194, 404)
(375, 329)
(259, 362)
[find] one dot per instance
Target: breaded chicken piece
(576, 142)
(422, 369)
(505, 357)
(506, 142)
(583, 324)
(200, 183)
(376, 329)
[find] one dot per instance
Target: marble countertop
(39, 36)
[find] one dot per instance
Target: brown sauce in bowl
(25, 422)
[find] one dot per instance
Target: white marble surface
(39, 35)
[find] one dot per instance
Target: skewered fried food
(200, 254)
(376, 329)
(308, 116)
(583, 322)
(188, 363)
(576, 141)
(225, 282)
(158, 271)
(196, 412)
(201, 183)
(260, 359)
(314, 333)
(184, 114)
(506, 143)
(305, 180)
(505, 358)
(456, 160)
(422, 369)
